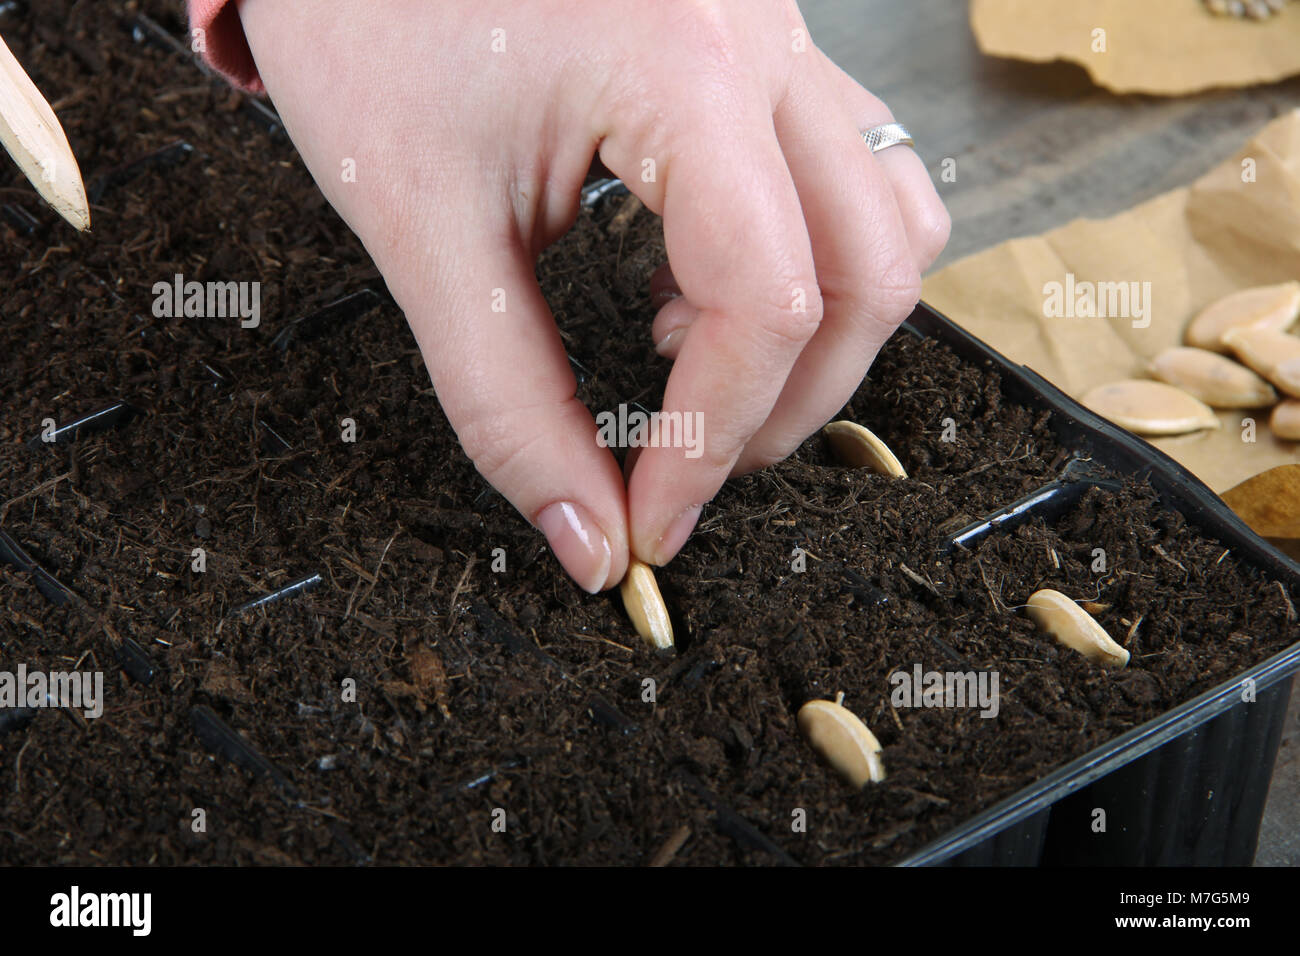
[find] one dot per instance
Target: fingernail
(578, 543)
(671, 541)
(670, 341)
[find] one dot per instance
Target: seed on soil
(1274, 355)
(1150, 408)
(1074, 627)
(1273, 307)
(645, 605)
(857, 447)
(1285, 422)
(1213, 378)
(838, 735)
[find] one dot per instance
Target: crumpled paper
(1270, 504)
(1237, 226)
(1164, 47)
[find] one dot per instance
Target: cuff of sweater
(225, 47)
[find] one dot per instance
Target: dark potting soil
(484, 696)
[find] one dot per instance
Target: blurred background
(1036, 144)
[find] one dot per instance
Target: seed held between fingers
(1273, 307)
(843, 740)
(645, 605)
(1213, 378)
(857, 447)
(1150, 408)
(1074, 627)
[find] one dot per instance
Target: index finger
(740, 251)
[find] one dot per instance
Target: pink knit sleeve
(225, 47)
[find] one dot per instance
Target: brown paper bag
(1165, 47)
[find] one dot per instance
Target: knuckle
(793, 314)
(759, 459)
(488, 442)
(707, 26)
(500, 441)
(934, 226)
(720, 454)
(897, 287)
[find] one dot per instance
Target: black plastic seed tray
(1185, 789)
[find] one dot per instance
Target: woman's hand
(796, 251)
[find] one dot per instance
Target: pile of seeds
(1197, 378)
(1245, 9)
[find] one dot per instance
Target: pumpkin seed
(857, 447)
(1273, 307)
(1150, 408)
(645, 605)
(1274, 355)
(1074, 627)
(1213, 378)
(1287, 375)
(1286, 420)
(843, 740)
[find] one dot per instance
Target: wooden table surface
(1037, 145)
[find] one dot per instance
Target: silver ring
(883, 137)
